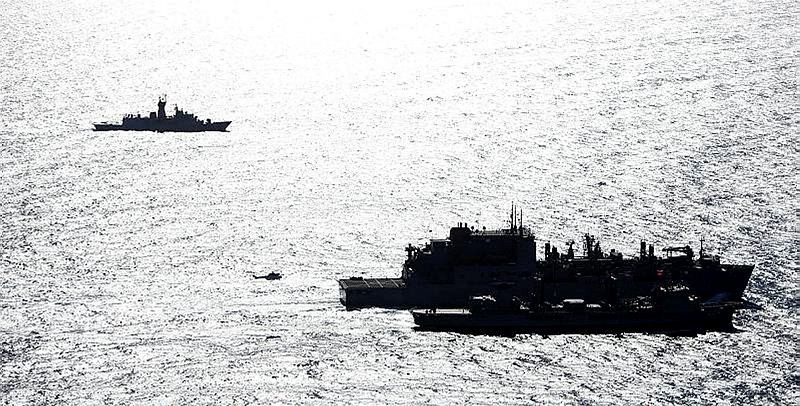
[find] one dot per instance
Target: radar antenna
(702, 240)
(162, 102)
(513, 215)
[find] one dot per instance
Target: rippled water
(127, 259)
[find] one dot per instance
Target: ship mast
(513, 217)
(162, 102)
(702, 240)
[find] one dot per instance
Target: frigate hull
(164, 127)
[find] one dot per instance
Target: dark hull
(714, 285)
(164, 127)
(709, 318)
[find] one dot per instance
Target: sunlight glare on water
(127, 258)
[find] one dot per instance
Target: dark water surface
(126, 259)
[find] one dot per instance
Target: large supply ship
(159, 121)
(469, 262)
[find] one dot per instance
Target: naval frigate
(159, 121)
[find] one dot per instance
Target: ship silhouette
(159, 121)
(447, 272)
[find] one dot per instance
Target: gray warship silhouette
(181, 122)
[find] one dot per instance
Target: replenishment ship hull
(727, 284)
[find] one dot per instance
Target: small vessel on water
(159, 121)
(671, 309)
(445, 273)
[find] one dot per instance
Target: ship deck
(372, 283)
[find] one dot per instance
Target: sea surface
(127, 258)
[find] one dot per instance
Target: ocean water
(127, 259)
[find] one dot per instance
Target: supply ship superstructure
(447, 272)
